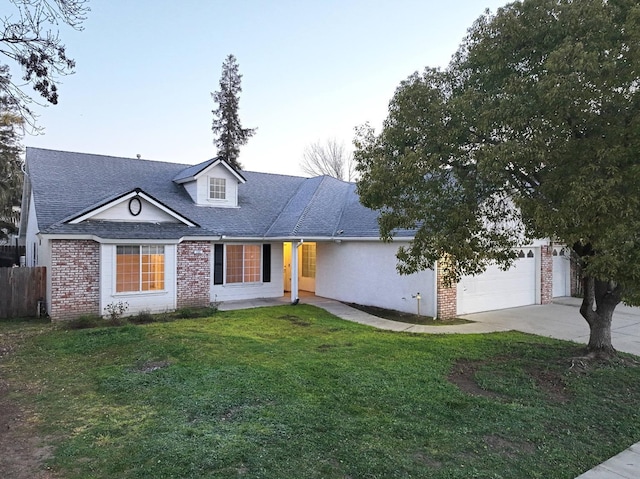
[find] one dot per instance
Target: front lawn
(293, 392)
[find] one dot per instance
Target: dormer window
(213, 183)
(217, 188)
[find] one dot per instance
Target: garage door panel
(561, 272)
(498, 289)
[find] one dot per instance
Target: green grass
(287, 392)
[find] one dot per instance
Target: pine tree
(11, 124)
(230, 135)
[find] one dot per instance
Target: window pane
(252, 263)
(152, 268)
(127, 268)
(217, 188)
(309, 260)
(234, 264)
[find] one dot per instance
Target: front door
(306, 266)
(307, 262)
(286, 255)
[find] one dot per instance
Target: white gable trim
(126, 197)
(204, 171)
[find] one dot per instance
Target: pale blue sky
(312, 70)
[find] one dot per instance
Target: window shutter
(218, 263)
(266, 263)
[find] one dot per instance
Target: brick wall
(546, 274)
(194, 274)
(75, 279)
(447, 296)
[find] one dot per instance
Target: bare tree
(329, 158)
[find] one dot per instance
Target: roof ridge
(112, 157)
(343, 207)
(286, 205)
(307, 207)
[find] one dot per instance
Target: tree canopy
(29, 38)
(230, 135)
(532, 131)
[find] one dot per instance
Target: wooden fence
(22, 291)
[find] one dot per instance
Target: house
(162, 236)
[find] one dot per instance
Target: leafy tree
(533, 130)
(10, 165)
(29, 38)
(329, 158)
(230, 135)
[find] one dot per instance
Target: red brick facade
(193, 274)
(546, 274)
(447, 297)
(75, 279)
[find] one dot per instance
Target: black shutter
(218, 263)
(266, 263)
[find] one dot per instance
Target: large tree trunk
(605, 296)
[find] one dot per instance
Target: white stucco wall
(32, 242)
(38, 250)
(234, 292)
(155, 302)
(365, 273)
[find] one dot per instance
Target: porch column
(294, 271)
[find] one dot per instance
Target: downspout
(435, 290)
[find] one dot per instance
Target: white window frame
(158, 249)
(244, 264)
(217, 188)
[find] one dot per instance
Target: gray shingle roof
(65, 184)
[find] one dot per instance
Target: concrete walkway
(560, 320)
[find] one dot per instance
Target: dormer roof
(192, 173)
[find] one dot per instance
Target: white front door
(307, 270)
(286, 255)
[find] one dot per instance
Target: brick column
(75, 279)
(447, 296)
(546, 274)
(194, 274)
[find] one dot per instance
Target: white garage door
(497, 289)
(561, 272)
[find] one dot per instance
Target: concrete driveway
(562, 320)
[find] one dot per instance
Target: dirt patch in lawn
(507, 448)
(22, 451)
(293, 319)
(548, 381)
(400, 316)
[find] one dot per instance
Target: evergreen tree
(11, 123)
(230, 135)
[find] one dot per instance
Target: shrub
(191, 313)
(114, 311)
(143, 317)
(83, 322)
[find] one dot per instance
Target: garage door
(497, 289)
(561, 272)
